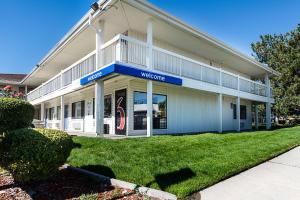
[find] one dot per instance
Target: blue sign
(98, 74)
(130, 71)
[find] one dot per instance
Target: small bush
(15, 114)
(34, 154)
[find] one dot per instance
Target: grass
(181, 165)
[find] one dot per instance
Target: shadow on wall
(167, 179)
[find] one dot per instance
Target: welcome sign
(130, 71)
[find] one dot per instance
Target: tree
(282, 53)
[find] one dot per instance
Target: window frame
(51, 113)
(242, 117)
(105, 116)
(82, 109)
(166, 127)
(58, 112)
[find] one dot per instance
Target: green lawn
(181, 165)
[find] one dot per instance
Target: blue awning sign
(130, 71)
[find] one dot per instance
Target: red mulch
(66, 184)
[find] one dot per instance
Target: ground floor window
(78, 110)
(107, 106)
(243, 112)
(58, 113)
(159, 111)
(51, 113)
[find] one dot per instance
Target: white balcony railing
(132, 51)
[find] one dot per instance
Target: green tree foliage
(15, 114)
(282, 53)
(34, 154)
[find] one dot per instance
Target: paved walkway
(277, 179)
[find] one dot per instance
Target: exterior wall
(189, 110)
(231, 124)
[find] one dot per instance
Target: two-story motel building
(128, 68)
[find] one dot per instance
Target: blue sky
(29, 29)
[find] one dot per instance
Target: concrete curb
(123, 184)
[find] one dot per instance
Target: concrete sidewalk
(277, 179)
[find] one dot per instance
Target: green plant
(34, 154)
(15, 114)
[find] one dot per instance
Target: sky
(29, 29)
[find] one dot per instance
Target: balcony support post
(149, 82)
(238, 106)
(268, 104)
(62, 113)
(220, 107)
(99, 84)
(99, 106)
(238, 114)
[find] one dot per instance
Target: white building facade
(128, 68)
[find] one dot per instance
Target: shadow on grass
(100, 169)
(167, 179)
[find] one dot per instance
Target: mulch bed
(66, 184)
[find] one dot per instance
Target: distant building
(14, 80)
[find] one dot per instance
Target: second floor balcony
(133, 52)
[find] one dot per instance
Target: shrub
(15, 114)
(34, 154)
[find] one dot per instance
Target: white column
(256, 116)
(268, 104)
(149, 108)
(149, 82)
(99, 106)
(238, 114)
(42, 111)
(99, 85)
(238, 107)
(220, 106)
(62, 113)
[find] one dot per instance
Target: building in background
(13, 80)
